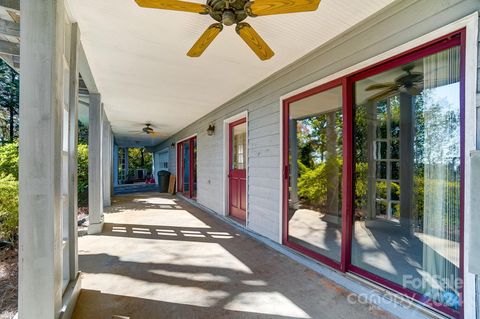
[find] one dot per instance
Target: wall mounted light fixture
(211, 130)
(172, 146)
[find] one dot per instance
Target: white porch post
(95, 176)
(125, 154)
(44, 197)
(115, 164)
(73, 153)
(106, 161)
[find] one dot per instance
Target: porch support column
(125, 154)
(407, 133)
(73, 153)
(95, 176)
(372, 170)
(41, 103)
(106, 161)
(115, 164)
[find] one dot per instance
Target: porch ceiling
(138, 58)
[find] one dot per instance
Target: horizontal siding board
(256, 123)
(263, 151)
(269, 140)
(264, 207)
(264, 162)
(265, 130)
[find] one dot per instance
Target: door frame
(178, 168)
(226, 163)
(466, 29)
(339, 265)
(156, 162)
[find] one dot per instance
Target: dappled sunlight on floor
(272, 303)
(159, 257)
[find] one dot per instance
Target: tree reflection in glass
(315, 203)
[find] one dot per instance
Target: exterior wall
(382, 32)
(158, 161)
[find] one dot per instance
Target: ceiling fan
(147, 130)
(411, 83)
(229, 12)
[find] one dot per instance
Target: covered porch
(160, 256)
(221, 125)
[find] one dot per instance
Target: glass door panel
(407, 154)
(315, 173)
(237, 173)
(186, 167)
(194, 167)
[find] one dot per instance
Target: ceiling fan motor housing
(228, 12)
(147, 129)
(228, 17)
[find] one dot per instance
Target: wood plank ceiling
(10, 32)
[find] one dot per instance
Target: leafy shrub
(313, 183)
(9, 160)
(8, 208)
(83, 174)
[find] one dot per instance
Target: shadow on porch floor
(159, 257)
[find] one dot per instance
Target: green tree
(82, 174)
(9, 160)
(82, 133)
(8, 208)
(139, 158)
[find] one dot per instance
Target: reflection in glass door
(407, 141)
(401, 190)
(315, 133)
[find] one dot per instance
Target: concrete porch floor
(160, 257)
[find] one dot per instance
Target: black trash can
(163, 181)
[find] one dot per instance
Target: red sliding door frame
(348, 182)
(192, 166)
(286, 180)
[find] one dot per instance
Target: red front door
(237, 175)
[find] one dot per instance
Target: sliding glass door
(187, 167)
(407, 144)
(373, 174)
(314, 216)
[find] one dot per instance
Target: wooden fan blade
(254, 41)
(173, 5)
(205, 39)
(380, 86)
(268, 7)
(384, 94)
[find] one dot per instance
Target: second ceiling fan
(229, 12)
